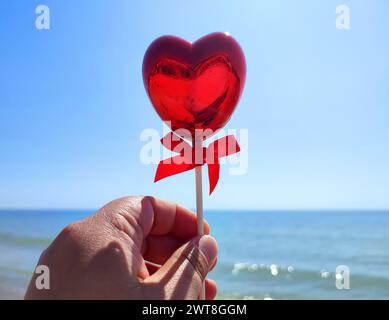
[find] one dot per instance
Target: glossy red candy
(194, 85)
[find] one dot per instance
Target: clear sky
(316, 102)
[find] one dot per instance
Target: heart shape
(194, 85)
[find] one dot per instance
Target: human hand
(132, 248)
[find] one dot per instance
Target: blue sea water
(263, 254)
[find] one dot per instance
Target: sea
(262, 254)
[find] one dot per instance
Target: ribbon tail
(170, 167)
(213, 176)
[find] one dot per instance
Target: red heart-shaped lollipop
(195, 85)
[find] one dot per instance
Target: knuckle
(64, 240)
(69, 232)
(69, 237)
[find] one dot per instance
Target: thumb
(183, 274)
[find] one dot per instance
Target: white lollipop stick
(199, 200)
(199, 212)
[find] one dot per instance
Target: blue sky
(316, 103)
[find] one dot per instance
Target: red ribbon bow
(190, 157)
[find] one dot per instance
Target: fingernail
(208, 246)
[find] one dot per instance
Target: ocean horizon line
(256, 210)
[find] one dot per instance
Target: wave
(292, 282)
(24, 241)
